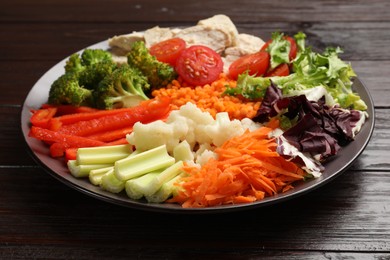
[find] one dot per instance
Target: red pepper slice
(41, 117)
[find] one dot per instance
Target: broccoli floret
(78, 63)
(66, 90)
(93, 56)
(93, 74)
(159, 74)
(83, 72)
(74, 64)
(125, 87)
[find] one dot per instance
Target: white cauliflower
(147, 136)
(192, 129)
(183, 152)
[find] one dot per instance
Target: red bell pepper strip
(146, 112)
(66, 140)
(70, 154)
(70, 109)
(113, 135)
(57, 150)
(41, 117)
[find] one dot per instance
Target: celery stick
(110, 183)
(95, 176)
(165, 176)
(103, 154)
(134, 187)
(82, 170)
(142, 163)
(167, 190)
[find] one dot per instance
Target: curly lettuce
(309, 70)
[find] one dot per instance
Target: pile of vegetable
(169, 126)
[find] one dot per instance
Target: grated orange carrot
(255, 171)
(209, 98)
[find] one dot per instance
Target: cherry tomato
(256, 64)
(293, 47)
(199, 65)
(281, 70)
(169, 50)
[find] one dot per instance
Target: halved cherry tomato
(256, 64)
(293, 47)
(169, 50)
(199, 65)
(281, 70)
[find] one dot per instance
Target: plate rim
(83, 185)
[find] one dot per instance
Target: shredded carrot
(209, 98)
(248, 169)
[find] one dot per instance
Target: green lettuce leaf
(309, 69)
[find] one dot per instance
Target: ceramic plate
(57, 168)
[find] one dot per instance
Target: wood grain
(191, 10)
(349, 214)
(41, 218)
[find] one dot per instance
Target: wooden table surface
(41, 218)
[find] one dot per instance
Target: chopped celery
(167, 190)
(110, 182)
(95, 176)
(150, 183)
(135, 187)
(183, 152)
(142, 163)
(82, 170)
(165, 176)
(103, 154)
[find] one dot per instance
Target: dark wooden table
(42, 218)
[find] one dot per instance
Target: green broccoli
(93, 56)
(74, 64)
(159, 74)
(125, 87)
(79, 62)
(91, 76)
(83, 72)
(66, 90)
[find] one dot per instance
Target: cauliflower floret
(180, 127)
(250, 124)
(183, 152)
(192, 112)
(189, 133)
(223, 129)
(147, 136)
(205, 156)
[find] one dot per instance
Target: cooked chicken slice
(227, 61)
(222, 23)
(157, 34)
(246, 44)
(200, 35)
(124, 41)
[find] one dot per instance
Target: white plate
(38, 95)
